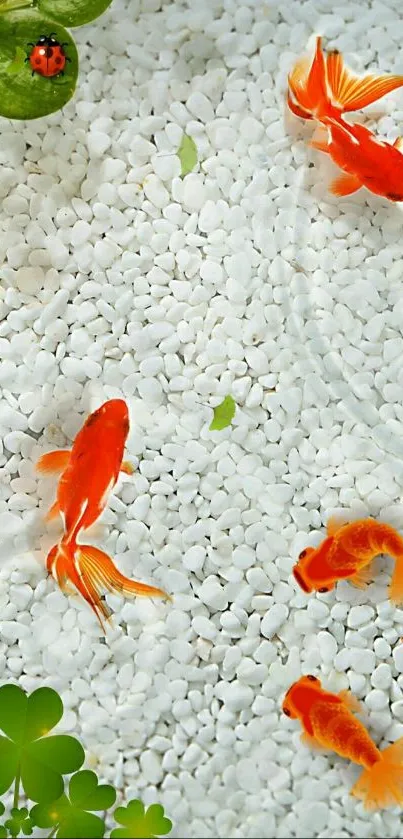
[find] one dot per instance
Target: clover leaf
(24, 95)
(71, 814)
(223, 414)
(140, 824)
(26, 753)
(3, 831)
(19, 822)
(187, 153)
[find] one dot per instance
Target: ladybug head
(47, 40)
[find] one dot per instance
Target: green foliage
(223, 414)
(26, 751)
(27, 96)
(71, 814)
(187, 153)
(30, 756)
(140, 823)
(19, 822)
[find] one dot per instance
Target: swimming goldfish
(345, 554)
(89, 473)
(328, 722)
(325, 90)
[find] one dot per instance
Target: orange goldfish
(325, 90)
(89, 473)
(328, 722)
(346, 553)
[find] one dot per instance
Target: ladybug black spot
(58, 60)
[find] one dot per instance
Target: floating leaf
(18, 61)
(141, 824)
(223, 414)
(71, 814)
(187, 153)
(73, 12)
(19, 822)
(25, 750)
(23, 95)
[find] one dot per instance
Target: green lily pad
(23, 95)
(73, 12)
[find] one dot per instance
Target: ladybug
(47, 56)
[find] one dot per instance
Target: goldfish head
(311, 570)
(114, 413)
(300, 695)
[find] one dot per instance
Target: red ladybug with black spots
(47, 56)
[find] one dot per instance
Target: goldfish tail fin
(53, 462)
(350, 92)
(396, 584)
(97, 567)
(308, 93)
(61, 563)
(382, 784)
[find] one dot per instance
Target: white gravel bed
(121, 279)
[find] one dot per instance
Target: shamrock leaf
(140, 824)
(187, 153)
(19, 822)
(3, 831)
(25, 751)
(71, 814)
(223, 414)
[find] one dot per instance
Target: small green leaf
(18, 61)
(141, 824)
(223, 414)
(23, 95)
(73, 12)
(19, 822)
(3, 832)
(187, 153)
(71, 815)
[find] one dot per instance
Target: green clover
(3, 831)
(26, 753)
(187, 153)
(71, 815)
(140, 824)
(223, 414)
(19, 822)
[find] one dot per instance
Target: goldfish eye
(312, 678)
(323, 590)
(286, 712)
(302, 554)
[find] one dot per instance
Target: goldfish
(346, 553)
(329, 722)
(324, 90)
(89, 472)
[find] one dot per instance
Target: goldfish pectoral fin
(127, 468)
(53, 512)
(98, 567)
(53, 462)
(297, 110)
(351, 92)
(396, 583)
(311, 742)
(362, 577)
(334, 524)
(320, 145)
(398, 144)
(345, 185)
(351, 702)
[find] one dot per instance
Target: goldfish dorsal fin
(398, 144)
(334, 524)
(362, 577)
(351, 701)
(351, 92)
(345, 185)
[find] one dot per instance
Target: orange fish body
(346, 553)
(328, 722)
(89, 473)
(325, 89)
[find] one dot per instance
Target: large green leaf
(23, 95)
(41, 761)
(73, 12)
